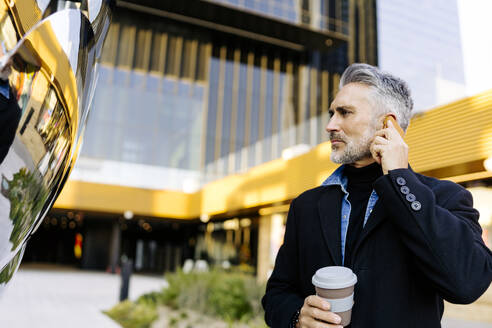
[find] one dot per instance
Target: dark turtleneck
(359, 187)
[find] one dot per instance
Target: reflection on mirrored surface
(27, 13)
(46, 86)
(99, 14)
(8, 271)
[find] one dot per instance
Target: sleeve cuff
(401, 182)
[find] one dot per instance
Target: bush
(133, 315)
(230, 296)
(228, 299)
(151, 299)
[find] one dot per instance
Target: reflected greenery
(9, 270)
(27, 196)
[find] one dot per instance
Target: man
(411, 240)
(10, 112)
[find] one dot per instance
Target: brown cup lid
(334, 277)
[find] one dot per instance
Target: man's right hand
(315, 313)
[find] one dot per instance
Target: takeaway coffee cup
(336, 285)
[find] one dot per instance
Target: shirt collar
(337, 178)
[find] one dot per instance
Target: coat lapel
(377, 216)
(329, 206)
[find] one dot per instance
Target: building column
(270, 238)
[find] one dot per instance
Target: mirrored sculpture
(48, 56)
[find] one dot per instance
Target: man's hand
(389, 149)
(315, 314)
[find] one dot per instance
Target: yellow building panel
(117, 199)
(272, 182)
(457, 133)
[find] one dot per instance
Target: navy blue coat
(410, 256)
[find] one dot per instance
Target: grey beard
(353, 153)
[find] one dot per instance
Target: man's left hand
(389, 149)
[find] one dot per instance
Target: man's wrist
(399, 167)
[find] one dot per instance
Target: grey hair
(392, 94)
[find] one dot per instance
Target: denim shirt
(337, 178)
(4, 88)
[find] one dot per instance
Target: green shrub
(230, 296)
(151, 299)
(133, 315)
(254, 293)
(173, 321)
(228, 299)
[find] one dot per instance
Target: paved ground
(457, 323)
(47, 298)
(50, 297)
(478, 314)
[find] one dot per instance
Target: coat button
(405, 190)
(416, 206)
(411, 197)
(401, 181)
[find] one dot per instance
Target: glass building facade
(198, 103)
(190, 92)
(424, 46)
(317, 14)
